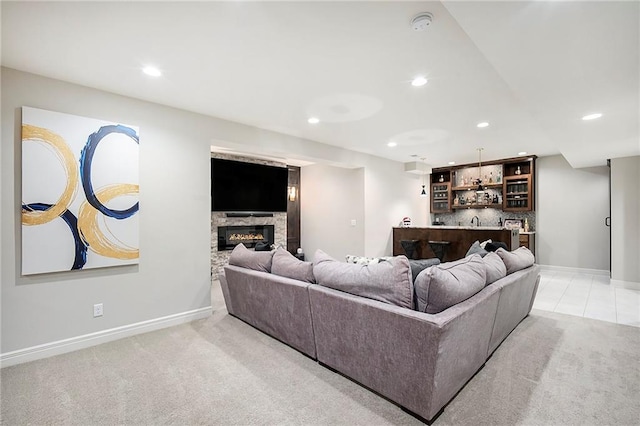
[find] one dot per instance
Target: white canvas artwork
(79, 192)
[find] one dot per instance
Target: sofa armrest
(517, 292)
(276, 305)
(225, 292)
(416, 359)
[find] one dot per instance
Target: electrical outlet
(97, 310)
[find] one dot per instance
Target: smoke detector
(422, 21)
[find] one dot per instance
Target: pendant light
(424, 191)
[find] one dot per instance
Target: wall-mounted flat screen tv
(237, 186)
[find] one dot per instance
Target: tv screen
(246, 187)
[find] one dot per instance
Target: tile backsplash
(488, 217)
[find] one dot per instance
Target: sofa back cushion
(495, 267)
(256, 260)
(476, 248)
(442, 286)
(419, 265)
(388, 281)
(287, 265)
(516, 260)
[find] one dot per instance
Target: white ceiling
(531, 69)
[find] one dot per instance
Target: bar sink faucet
(477, 220)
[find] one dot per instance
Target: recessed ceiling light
(522, 153)
(483, 124)
(313, 120)
(419, 81)
(592, 116)
(152, 71)
(392, 144)
(451, 163)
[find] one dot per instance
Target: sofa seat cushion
(517, 259)
(256, 260)
(287, 265)
(389, 281)
(442, 286)
(495, 267)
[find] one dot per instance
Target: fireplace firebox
(249, 235)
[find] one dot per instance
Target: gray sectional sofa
(418, 360)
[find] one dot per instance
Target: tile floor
(589, 296)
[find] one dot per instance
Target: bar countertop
(468, 228)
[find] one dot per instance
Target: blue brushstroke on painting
(86, 158)
(80, 246)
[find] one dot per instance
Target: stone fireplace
(249, 235)
(278, 221)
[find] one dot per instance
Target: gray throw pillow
(420, 265)
(495, 267)
(287, 265)
(516, 260)
(476, 248)
(442, 286)
(256, 260)
(388, 281)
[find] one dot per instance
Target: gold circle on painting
(68, 160)
(91, 232)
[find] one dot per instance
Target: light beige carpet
(553, 370)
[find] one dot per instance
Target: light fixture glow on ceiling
(313, 120)
(451, 163)
(152, 71)
(522, 153)
(392, 144)
(592, 116)
(419, 81)
(483, 124)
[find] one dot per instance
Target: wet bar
(459, 239)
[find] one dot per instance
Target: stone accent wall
(221, 258)
(279, 220)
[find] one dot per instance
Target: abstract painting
(80, 192)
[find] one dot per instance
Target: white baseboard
(80, 342)
(631, 285)
(603, 272)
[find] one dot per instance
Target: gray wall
(571, 207)
(330, 198)
(174, 271)
(175, 219)
(390, 195)
(377, 196)
(625, 219)
(173, 274)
